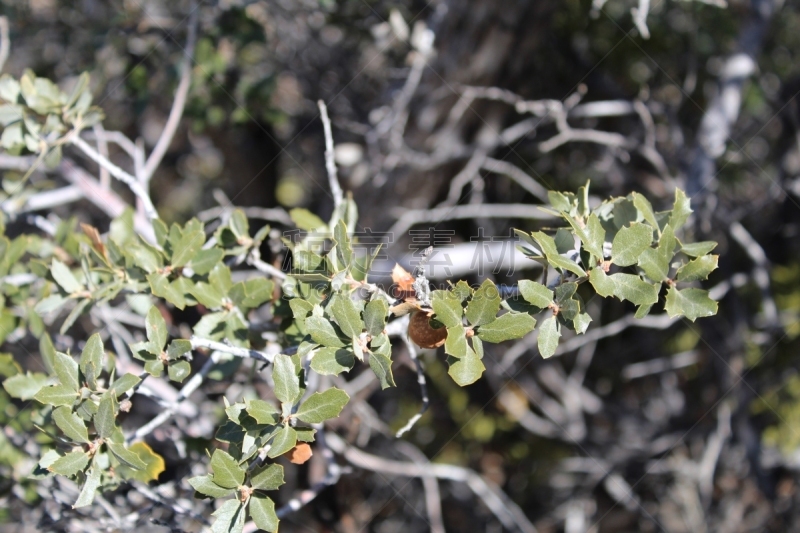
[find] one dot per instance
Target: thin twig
(498, 502)
(266, 357)
(423, 387)
(118, 173)
(178, 103)
(102, 147)
(330, 162)
(5, 41)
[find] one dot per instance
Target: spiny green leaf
(467, 369)
(227, 472)
(92, 358)
(70, 464)
(66, 369)
(332, 361)
(70, 424)
(64, 277)
(447, 308)
(548, 246)
(484, 305)
(456, 342)
(322, 331)
(698, 269)
(161, 287)
(680, 210)
(125, 456)
(691, 303)
(56, 395)
(124, 384)
(549, 333)
(267, 477)
(347, 315)
(655, 262)
(25, 386)
(634, 289)
(322, 406)
(156, 328)
(535, 293)
(252, 292)
(179, 371)
(207, 294)
(187, 247)
(381, 365)
(106, 416)
(646, 209)
(506, 327)
(375, 316)
(264, 412)
(263, 512)
(629, 243)
(581, 322)
(204, 485)
(592, 235)
(284, 440)
(178, 347)
(230, 517)
(205, 260)
(89, 489)
(287, 386)
(343, 251)
(696, 249)
(305, 219)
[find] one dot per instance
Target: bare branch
(178, 103)
(418, 216)
(330, 162)
(5, 41)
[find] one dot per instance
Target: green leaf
(264, 412)
(56, 395)
(581, 322)
(252, 292)
(655, 262)
(178, 347)
(456, 342)
(262, 510)
(549, 333)
(332, 361)
(156, 329)
(484, 305)
(70, 464)
(344, 253)
(535, 293)
(506, 327)
(548, 246)
(284, 374)
(592, 236)
(375, 316)
(322, 406)
(680, 210)
(207, 295)
(698, 269)
(268, 477)
(160, 286)
(629, 243)
(179, 370)
(447, 308)
(63, 276)
(66, 369)
(284, 440)
(602, 283)
(90, 486)
(691, 303)
(105, 420)
(381, 366)
(347, 315)
(205, 260)
(646, 209)
(204, 485)
(70, 424)
(305, 219)
(25, 386)
(230, 517)
(634, 289)
(187, 247)
(227, 472)
(322, 331)
(467, 369)
(154, 464)
(154, 367)
(91, 362)
(696, 249)
(125, 456)
(49, 304)
(305, 434)
(124, 384)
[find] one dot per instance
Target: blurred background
(452, 119)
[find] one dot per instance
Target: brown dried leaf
(300, 453)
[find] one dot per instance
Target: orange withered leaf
(94, 236)
(300, 453)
